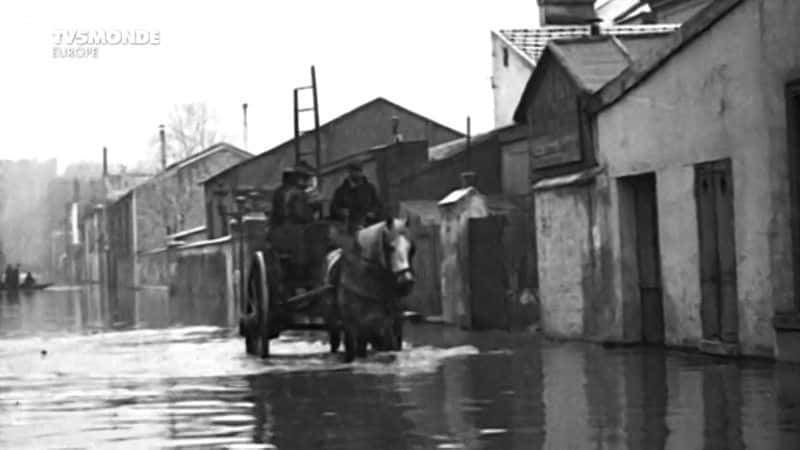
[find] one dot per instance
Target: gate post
(457, 208)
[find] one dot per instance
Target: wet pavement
(171, 382)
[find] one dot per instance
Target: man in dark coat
(290, 202)
(298, 204)
(356, 199)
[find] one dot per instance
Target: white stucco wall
(507, 82)
(721, 96)
(563, 249)
(454, 269)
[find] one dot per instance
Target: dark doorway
(642, 253)
(487, 274)
(793, 128)
(714, 198)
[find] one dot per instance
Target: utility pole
(244, 113)
(163, 139)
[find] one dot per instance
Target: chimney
(105, 162)
(244, 112)
(468, 179)
(163, 139)
(566, 12)
(76, 190)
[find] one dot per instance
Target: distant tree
(191, 128)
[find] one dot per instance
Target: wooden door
(426, 297)
(719, 304)
(648, 257)
(793, 115)
(487, 274)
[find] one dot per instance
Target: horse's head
(398, 250)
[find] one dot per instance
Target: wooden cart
(286, 286)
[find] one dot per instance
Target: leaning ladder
(300, 154)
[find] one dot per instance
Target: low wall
(201, 282)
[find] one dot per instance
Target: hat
(355, 165)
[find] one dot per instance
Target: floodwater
(165, 381)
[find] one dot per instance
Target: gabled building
(699, 150)
(142, 218)
(367, 126)
(563, 163)
(679, 224)
(515, 52)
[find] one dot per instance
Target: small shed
(457, 208)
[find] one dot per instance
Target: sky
(431, 56)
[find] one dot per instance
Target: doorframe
(721, 346)
(793, 159)
(632, 307)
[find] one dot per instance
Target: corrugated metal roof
(532, 41)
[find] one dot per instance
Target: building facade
(700, 181)
(140, 221)
(563, 165)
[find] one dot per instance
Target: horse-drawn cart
(292, 283)
(286, 286)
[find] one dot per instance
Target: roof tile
(532, 41)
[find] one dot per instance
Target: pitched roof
(591, 61)
(215, 148)
(641, 69)
(450, 148)
(532, 41)
(178, 165)
(333, 122)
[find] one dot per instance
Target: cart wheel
(260, 297)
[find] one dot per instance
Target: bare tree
(191, 128)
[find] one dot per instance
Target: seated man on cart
(356, 201)
(293, 211)
(291, 203)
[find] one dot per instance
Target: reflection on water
(70, 378)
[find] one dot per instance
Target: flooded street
(70, 379)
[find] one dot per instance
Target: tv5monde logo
(86, 43)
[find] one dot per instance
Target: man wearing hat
(356, 199)
(290, 204)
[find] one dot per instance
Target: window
(505, 57)
(793, 129)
